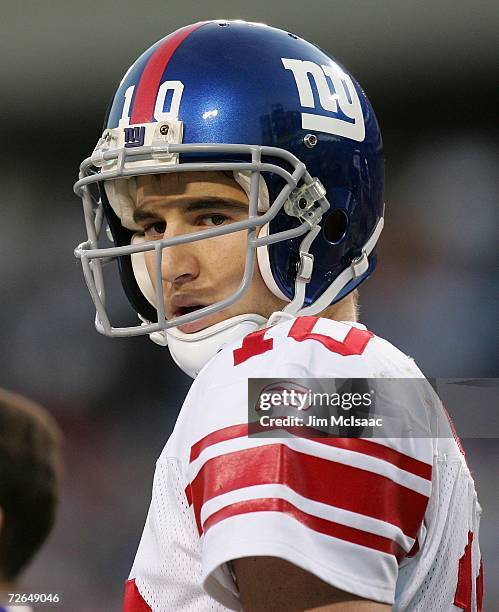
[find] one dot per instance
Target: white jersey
(392, 520)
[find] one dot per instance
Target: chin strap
(304, 272)
(191, 352)
(357, 268)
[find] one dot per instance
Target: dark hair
(30, 467)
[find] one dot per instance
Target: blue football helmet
(293, 126)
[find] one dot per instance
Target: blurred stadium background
(430, 70)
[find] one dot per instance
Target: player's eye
(155, 229)
(214, 219)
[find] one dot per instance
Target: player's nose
(179, 263)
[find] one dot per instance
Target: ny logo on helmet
(134, 136)
(342, 101)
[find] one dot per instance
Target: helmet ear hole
(335, 226)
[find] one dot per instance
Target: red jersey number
(255, 344)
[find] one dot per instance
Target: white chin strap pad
(191, 352)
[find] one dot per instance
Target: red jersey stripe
(359, 445)
(321, 480)
(133, 601)
(479, 588)
(188, 494)
(385, 453)
(220, 435)
(147, 89)
(330, 528)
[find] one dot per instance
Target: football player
(240, 176)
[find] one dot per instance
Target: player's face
(204, 272)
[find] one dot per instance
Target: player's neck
(344, 310)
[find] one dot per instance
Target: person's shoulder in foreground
(240, 174)
(30, 469)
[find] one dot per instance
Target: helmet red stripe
(147, 88)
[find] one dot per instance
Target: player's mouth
(181, 305)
